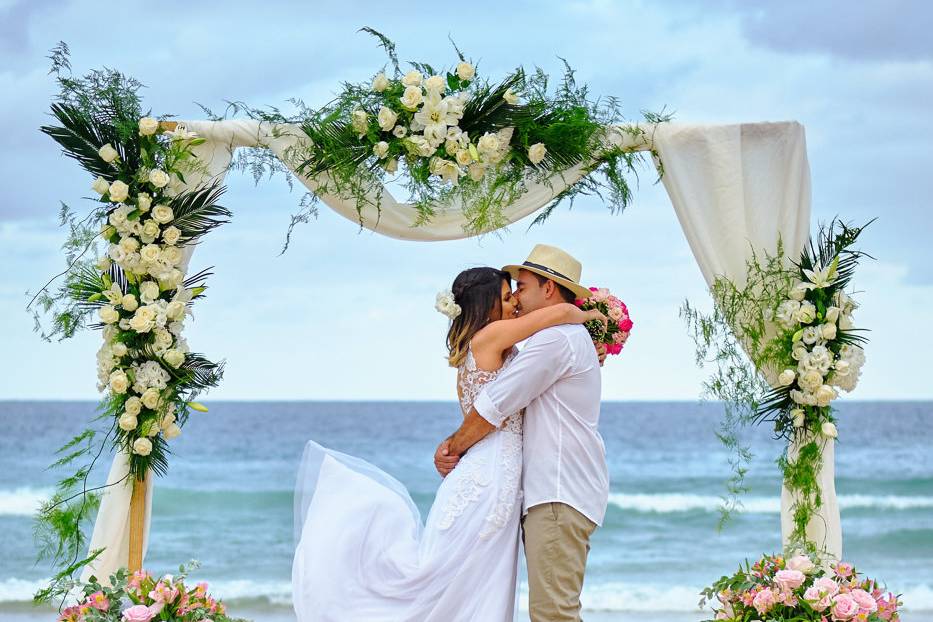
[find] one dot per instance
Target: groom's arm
(545, 359)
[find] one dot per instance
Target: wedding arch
(741, 192)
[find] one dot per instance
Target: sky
(347, 314)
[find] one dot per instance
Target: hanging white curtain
(732, 186)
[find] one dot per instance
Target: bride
(363, 554)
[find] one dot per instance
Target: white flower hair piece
(446, 305)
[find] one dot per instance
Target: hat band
(548, 270)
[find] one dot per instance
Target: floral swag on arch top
(474, 157)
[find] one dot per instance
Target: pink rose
(601, 294)
(866, 601)
(618, 337)
(817, 598)
(801, 563)
(827, 584)
(615, 314)
(625, 325)
(789, 579)
(844, 607)
(763, 601)
(138, 613)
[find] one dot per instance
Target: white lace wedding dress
(363, 555)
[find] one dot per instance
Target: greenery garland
(784, 344)
(449, 135)
(133, 288)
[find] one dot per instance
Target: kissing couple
(528, 464)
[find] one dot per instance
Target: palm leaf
(81, 136)
(197, 212)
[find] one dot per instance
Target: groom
(556, 379)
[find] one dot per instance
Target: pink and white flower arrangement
(141, 597)
(800, 589)
(620, 323)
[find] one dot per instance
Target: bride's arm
(503, 334)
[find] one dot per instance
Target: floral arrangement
(135, 289)
(452, 134)
(140, 597)
(800, 590)
(798, 348)
(620, 324)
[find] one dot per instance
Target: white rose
(381, 149)
(360, 121)
(832, 314)
(143, 320)
(787, 377)
(842, 368)
(799, 416)
(108, 315)
(811, 380)
(451, 146)
(151, 253)
(148, 126)
(536, 153)
(828, 330)
(412, 97)
(129, 245)
(142, 446)
(806, 313)
(799, 353)
(464, 157)
(380, 82)
(119, 383)
(150, 231)
(163, 339)
(391, 166)
(797, 292)
(825, 394)
(171, 279)
(100, 186)
(174, 358)
(133, 406)
(172, 431)
(143, 202)
(399, 131)
(148, 291)
(104, 263)
(129, 303)
(150, 398)
(812, 334)
(465, 71)
(162, 214)
(412, 78)
(119, 191)
(127, 422)
(175, 310)
(488, 143)
(172, 255)
(119, 349)
(435, 84)
(510, 97)
(387, 118)
(171, 235)
(158, 178)
(829, 429)
(107, 153)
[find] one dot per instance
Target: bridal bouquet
(140, 597)
(798, 590)
(620, 324)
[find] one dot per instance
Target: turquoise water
(227, 500)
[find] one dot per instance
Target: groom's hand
(444, 461)
(601, 351)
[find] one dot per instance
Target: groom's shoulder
(561, 332)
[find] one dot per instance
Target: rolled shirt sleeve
(546, 357)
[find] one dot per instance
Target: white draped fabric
(733, 187)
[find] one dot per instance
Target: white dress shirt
(556, 378)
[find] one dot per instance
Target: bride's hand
(581, 317)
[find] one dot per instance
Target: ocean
(227, 498)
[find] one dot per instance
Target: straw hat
(555, 264)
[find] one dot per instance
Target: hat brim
(576, 288)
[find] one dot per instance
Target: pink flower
(97, 600)
(625, 325)
(789, 579)
(827, 584)
(163, 593)
(817, 598)
(763, 601)
(801, 563)
(844, 607)
(618, 337)
(844, 570)
(615, 314)
(865, 601)
(138, 613)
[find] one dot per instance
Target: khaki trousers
(557, 540)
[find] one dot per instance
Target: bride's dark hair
(478, 291)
